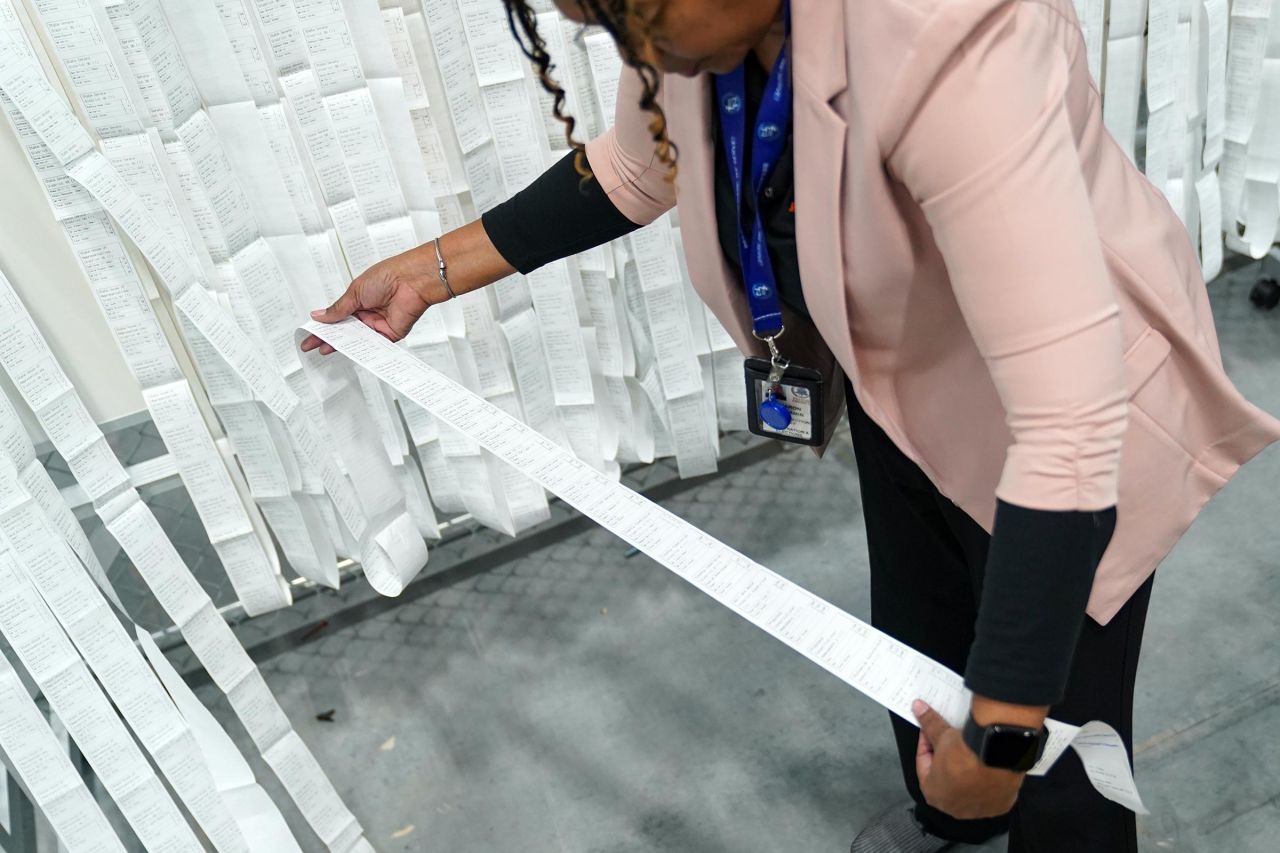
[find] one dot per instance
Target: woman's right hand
(389, 297)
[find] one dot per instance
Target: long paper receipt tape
(883, 668)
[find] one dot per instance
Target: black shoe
(897, 831)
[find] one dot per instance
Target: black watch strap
(1006, 747)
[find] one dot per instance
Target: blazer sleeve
(625, 159)
(990, 156)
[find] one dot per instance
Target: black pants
(927, 562)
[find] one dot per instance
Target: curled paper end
(1106, 762)
(396, 555)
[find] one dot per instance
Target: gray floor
(580, 701)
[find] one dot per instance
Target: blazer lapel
(818, 47)
(820, 130)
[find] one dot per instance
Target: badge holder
(784, 401)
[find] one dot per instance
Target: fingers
(924, 758)
(379, 324)
(344, 307)
(931, 723)
(372, 319)
(923, 747)
(311, 342)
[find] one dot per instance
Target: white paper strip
(120, 293)
(606, 70)
(1210, 199)
(1214, 23)
(45, 770)
(1247, 44)
(168, 93)
(31, 365)
(1162, 29)
(75, 697)
(16, 444)
(259, 819)
(883, 668)
(84, 614)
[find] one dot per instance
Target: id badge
(790, 409)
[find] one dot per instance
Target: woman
(1033, 372)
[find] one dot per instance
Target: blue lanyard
(772, 124)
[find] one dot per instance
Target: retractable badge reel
(784, 401)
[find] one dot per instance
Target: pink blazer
(1013, 302)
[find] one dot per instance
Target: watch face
(1010, 747)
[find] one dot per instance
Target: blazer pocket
(1143, 358)
(1156, 396)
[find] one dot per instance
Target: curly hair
(630, 32)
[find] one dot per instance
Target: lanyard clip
(777, 363)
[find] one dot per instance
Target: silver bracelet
(442, 270)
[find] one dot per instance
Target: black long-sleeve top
(1041, 563)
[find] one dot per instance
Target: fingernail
(918, 707)
(316, 314)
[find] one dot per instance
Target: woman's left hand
(952, 779)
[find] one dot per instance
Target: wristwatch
(1006, 747)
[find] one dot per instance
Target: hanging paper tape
(64, 679)
(83, 612)
(46, 772)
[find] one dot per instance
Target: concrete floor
(580, 701)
